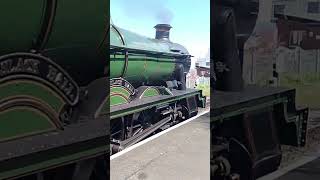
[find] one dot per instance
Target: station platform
(307, 168)
(309, 171)
(183, 152)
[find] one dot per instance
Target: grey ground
(183, 153)
(294, 158)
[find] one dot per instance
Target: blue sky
(190, 20)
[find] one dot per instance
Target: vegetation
(205, 89)
(307, 88)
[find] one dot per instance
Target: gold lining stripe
(31, 133)
(43, 86)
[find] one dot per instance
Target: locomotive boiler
(51, 122)
(152, 61)
(148, 85)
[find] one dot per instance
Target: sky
(190, 20)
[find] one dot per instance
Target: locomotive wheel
(240, 159)
(221, 168)
(185, 113)
(235, 163)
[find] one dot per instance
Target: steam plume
(142, 9)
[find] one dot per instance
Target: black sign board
(24, 65)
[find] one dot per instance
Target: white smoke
(142, 9)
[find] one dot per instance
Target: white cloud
(198, 50)
(201, 50)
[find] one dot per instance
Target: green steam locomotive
(148, 85)
(51, 122)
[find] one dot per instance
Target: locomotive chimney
(162, 31)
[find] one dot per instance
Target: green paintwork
(118, 96)
(117, 100)
(120, 90)
(70, 29)
(77, 38)
(23, 121)
(155, 61)
(32, 89)
(76, 41)
(142, 67)
(135, 41)
(74, 25)
(117, 65)
(149, 92)
(19, 26)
